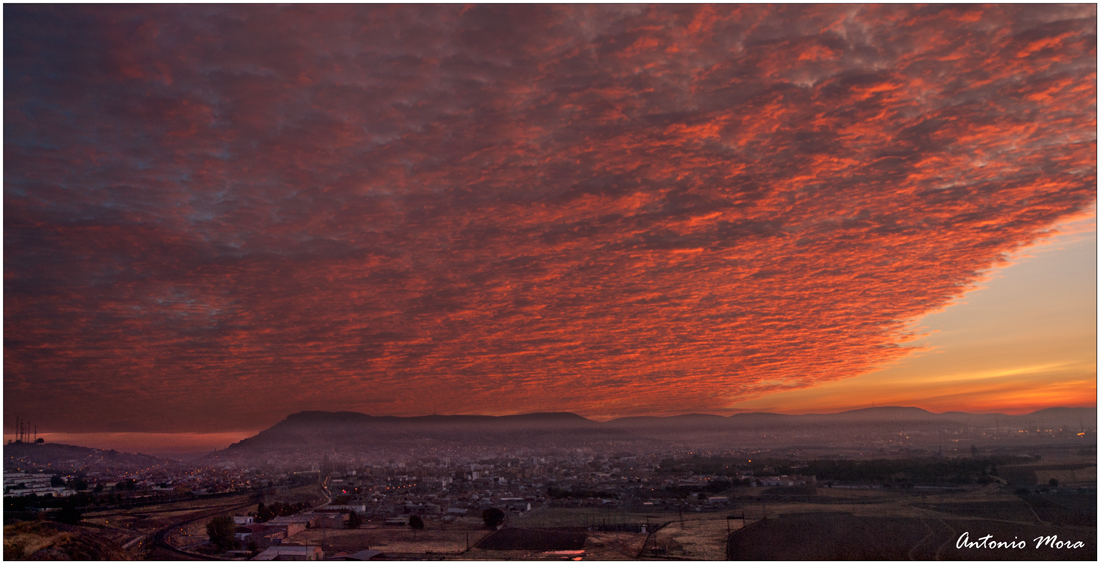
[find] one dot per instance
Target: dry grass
(614, 546)
(59, 542)
(698, 537)
(402, 540)
(25, 539)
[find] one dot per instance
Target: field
(1063, 509)
(840, 536)
(909, 524)
(1010, 510)
(435, 539)
(695, 538)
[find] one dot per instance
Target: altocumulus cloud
(216, 215)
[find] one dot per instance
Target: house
(331, 520)
(261, 534)
(784, 480)
(360, 508)
(285, 552)
(294, 523)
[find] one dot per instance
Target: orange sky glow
(215, 216)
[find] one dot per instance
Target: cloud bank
(216, 215)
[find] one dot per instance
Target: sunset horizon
(218, 216)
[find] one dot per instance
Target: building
(261, 534)
(360, 509)
(331, 520)
(284, 552)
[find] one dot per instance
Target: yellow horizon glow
(1024, 340)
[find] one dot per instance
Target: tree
(220, 530)
(493, 517)
(1053, 482)
(416, 522)
(354, 520)
(69, 514)
(56, 481)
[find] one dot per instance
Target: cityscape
(570, 492)
(550, 282)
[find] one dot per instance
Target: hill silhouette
(321, 431)
(62, 457)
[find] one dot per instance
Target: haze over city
(218, 216)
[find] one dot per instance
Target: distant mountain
(343, 432)
(681, 422)
(763, 429)
(1071, 417)
(61, 457)
(1064, 412)
(763, 420)
(886, 412)
(320, 431)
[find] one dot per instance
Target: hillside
(318, 430)
(69, 458)
(45, 540)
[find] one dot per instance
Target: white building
(283, 552)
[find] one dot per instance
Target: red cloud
(217, 215)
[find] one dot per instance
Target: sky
(215, 216)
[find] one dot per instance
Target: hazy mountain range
(70, 458)
(338, 432)
(341, 431)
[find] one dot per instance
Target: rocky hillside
(45, 540)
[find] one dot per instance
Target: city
(627, 498)
(550, 281)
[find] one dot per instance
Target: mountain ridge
(330, 431)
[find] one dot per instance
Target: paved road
(162, 550)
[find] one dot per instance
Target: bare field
(839, 536)
(614, 546)
(696, 538)
(1067, 476)
(435, 539)
(549, 517)
(700, 536)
